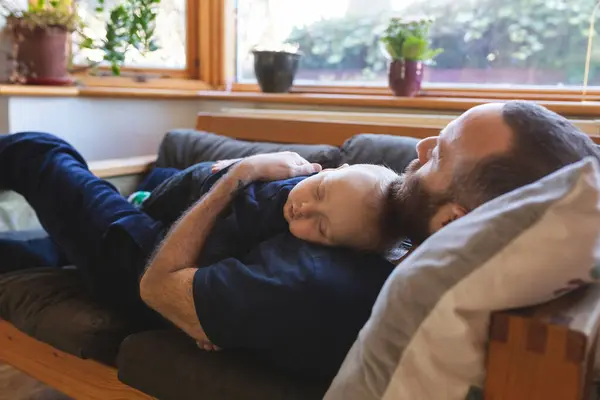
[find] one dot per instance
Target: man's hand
(274, 166)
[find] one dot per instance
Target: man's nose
(424, 148)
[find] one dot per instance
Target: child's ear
(335, 169)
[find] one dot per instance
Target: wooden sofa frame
(543, 352)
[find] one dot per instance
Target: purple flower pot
(405, 77)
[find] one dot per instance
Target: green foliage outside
(537, 35)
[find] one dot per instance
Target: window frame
(210, 51)
(202, 31)
(525, 93)
(490, 92)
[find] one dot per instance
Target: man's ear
(446, 214)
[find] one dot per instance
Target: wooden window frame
(542, 93)
(431, 91)
(205, 45)
(210, 48)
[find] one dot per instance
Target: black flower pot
(275, 70)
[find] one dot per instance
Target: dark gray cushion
(183, 148)
(168, 365)
(51, 305)
(394, 152)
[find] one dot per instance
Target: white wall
(100, 128)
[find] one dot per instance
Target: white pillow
(426, 338)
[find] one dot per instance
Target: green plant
(408, 40)
(41, 14)
(130, 25)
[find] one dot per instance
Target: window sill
(184, 89)
(455, 104)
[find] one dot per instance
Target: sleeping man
(230, 272)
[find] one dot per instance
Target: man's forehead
(479, 132)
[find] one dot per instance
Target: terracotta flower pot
(42, 55)
(275, 70)
(405, 77)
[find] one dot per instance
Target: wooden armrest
(546, 351)
(122, 166)
(73, 376)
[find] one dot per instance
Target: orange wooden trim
(300, 131)
(192, 40)
(75, 377)
(212, 41)
(133, 71)
(172, 88)
(151, 83)
(138, 93)
(122, 166)
(432, 91)
(546, 351)
(567, 108)
(38, 91)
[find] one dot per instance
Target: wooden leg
(76, 378)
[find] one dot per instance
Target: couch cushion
(168, 365)
(182, 148)
(50, 305)
(394, 152)
(427, 333)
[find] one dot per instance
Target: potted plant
(41, 34)
(407, 45)
(40, 37)
(275, 67)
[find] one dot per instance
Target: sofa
(48, 310)
(51, 305)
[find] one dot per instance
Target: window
(170, 36)
(505, 43)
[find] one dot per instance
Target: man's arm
(167, 284)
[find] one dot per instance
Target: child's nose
(306, 209)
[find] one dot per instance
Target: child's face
(331, 207)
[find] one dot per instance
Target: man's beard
(416, 205)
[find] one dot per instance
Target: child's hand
(207, 346)
(222, 164)
(274, 166)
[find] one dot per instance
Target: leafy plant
(41, 14)
(130, 25)
(409, 40)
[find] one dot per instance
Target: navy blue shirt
(298, 305)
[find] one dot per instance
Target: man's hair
(542, 142)
(376, 204)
